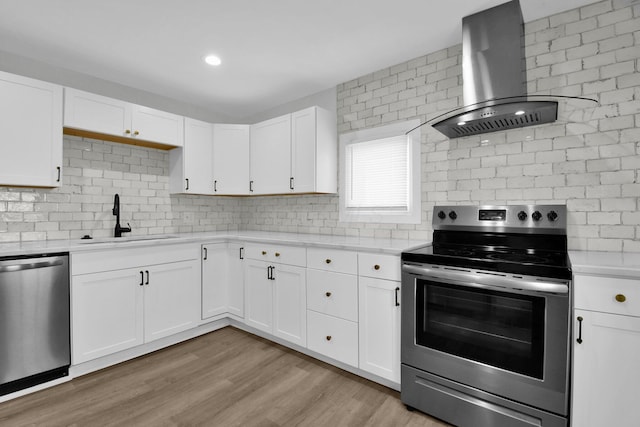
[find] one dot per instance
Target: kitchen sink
(126, 239)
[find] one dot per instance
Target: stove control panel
(516, 218)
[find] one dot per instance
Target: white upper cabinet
(95, 113)
(271, 156)
(231, 159)
(314, 152)
(157, 126)
(130, 123)
(295, 153)
(190, 166)
(31, 128)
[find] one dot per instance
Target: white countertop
(620, 264)
(389, 246)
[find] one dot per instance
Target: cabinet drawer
(291, 255)
(333, 337)
(333, 293)
(607, 294)
(332, 260)
(379, 266)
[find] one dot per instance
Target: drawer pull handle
(277, 254)
(264, 252)
(328, 261)
(328, 294)
(376, 267)
(328, 337)
(580, 319)
(621, 298)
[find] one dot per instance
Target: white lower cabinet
(107, 313)
(222, 284)
(171, 299)
(337, 303)
(606, 348)
(332, 304)
(276, 294)
(333, 337)
(113, 310)
(380, 327)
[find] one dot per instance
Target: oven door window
(500, 329)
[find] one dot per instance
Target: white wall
(589, 161)
(592, 165)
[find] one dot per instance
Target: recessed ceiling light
(519, 112)
(462, 123)
(212, 60)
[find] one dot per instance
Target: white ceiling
(273, 51)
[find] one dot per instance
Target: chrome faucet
(116, 212)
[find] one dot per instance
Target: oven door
(502, 335)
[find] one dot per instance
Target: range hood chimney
(494, 76)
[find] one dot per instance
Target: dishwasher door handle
(29, 265)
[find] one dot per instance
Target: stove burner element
(499, 238)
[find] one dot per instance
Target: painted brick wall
(94, 171)
(590, 159)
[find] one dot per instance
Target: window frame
(413, 214)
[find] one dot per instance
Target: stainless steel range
(485, 324)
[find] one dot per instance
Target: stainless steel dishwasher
(34, 320)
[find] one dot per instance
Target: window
(380, 175)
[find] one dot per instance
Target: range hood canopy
(495, 78)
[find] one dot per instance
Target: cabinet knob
(328, 261)
(136, 133)
(127, 131)
(277, 254)
(264, 252)
(328, 337)
(376, 267)
(328, 294)
(621, 298)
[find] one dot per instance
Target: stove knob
(453, 215)
(552, 216)
(536, 216)
(522, 215)
(442, 215)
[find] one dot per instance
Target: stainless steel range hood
(495, 78)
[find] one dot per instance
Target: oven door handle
(479, 280)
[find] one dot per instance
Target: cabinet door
(215, 279)
(258, 311)
(235, 280)
(95, 113)
(157, 126)
(380, 327)
(172, 299)
(303, 150)
(231, 159)
(290, 304)
(31, 129)
(314, 151)
(271, 156)
(106, 313)
(197, 157)
(605, 370)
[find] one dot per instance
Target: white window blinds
(377, 174)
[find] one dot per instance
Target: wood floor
(225, 378)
